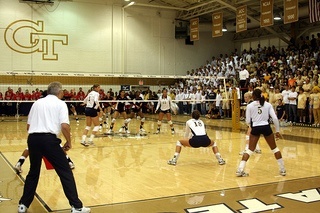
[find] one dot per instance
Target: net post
(235, 111)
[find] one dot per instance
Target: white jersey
(164, 103)
(285, 95)
(92, 100)
(257, 115)
(195, 128)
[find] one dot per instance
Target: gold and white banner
(266, 17)
(241, 20)
(217, 24)
(290, 11)
(194, 29)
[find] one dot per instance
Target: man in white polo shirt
(47, 118)
(244, 81)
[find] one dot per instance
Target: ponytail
(262, 100)
(257, 96)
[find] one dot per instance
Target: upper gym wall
(72, 36)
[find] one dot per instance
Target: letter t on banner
(194, 29)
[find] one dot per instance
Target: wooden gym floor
(130, 174)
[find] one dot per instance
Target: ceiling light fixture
(277, 17)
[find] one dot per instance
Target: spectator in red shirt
(81, 95)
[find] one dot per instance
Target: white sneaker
(81, 210)
(173, 132)
(221, 161)
(142, 131)
(127, 131)
(158, 131)
(109, 132)
(241, 174)
(172, 161)
(71, 165)
(100, 127)
(258, 151)
(83, 143)
(241, 153)
(22, 208)
(17, 168)
(283, 172)
(121, 130)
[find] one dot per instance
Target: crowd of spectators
(288, 75)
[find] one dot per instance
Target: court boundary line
(42, 202)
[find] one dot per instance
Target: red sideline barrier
(47, 163)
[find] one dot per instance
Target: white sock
(218, 156)
(247, 146)
(91, 137)
(22, 157)
(258, 147)
(176, 155)
(281, 163)
(242, 165)
(84, 137)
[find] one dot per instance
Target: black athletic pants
(48, 145)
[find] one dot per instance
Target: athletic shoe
(258, 151)
(81, 210)
(90, 143)
(22, 208)
(100, 128)
(84, 143)
(127, 131)
(283, 172)
(71, 165)
(241, 174)
(109, 132)
(17, 168)
(121, 130)
(158, 131)
(172, 161)
(242, 152)
(173, 132)
(221, 161)
(142, 131)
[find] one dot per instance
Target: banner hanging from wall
(266, 17)
(290, 11)
(217, 24)
(241, 19)
(194, 29)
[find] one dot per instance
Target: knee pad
(113, 120)
(249, 152)
(138, 117)
(88, 128)
(127, 120)
(159, 123)
(178, 143)
(214, 144)
(143, 120)
(247, 137)
(275, 150)
(95, 129)
(170, 122)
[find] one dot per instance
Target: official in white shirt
(195, 136)
(164, 107)
(47, 118)
(257, 116)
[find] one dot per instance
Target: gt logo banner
(27, 37)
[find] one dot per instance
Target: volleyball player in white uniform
(248, 100)
(164, 105)
(199, 138)
(257, 115)
(91, 112)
